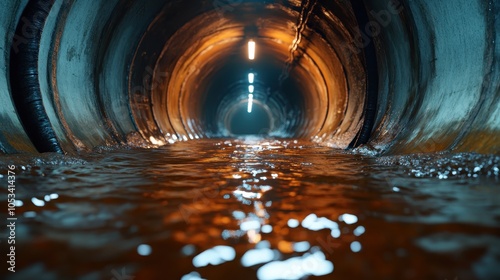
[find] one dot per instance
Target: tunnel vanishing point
(399, 76)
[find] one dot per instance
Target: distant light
(349, 219)
(257, 256)
(355, 246)
(251, 78)
(267, 229)
(250, 103)
(192, 276)
(251, 49)
(263, 244)
(309, 220)
(214, 256)
(251, 88)
(250, 225)
(293, 223)
(359, 230)
(314, 223)
(296, 267)
(247, 195)
(144, 250)
(38, 202)
(335, 233)
(239, 215)
(301, 246)
(253, 236)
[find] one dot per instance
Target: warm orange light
(251, 49)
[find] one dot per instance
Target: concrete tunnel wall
(124, 71)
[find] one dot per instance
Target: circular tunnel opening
(304, 94)
(237, 79)
(246, 119)
(340, 73)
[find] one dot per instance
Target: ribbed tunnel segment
(398, 76)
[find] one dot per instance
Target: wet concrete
(128, 71)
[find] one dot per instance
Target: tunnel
(396, 76)
(407, 83)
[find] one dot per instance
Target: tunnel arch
(137, 72)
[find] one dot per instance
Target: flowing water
(253, 209)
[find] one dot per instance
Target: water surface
(248, 209)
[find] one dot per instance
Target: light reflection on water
(249, 209)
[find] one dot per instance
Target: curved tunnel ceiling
(398, 76)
